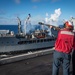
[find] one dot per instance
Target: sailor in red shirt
(73, 59)
(63, 48)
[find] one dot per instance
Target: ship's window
(48, 40)
(51, 39)
(2, 42)
(26, 42)
(38, 41)
(20, 42)
(7, 42)
(34, 41)
(41, 40)
(23, 42)
(30, 41)
(45, 40)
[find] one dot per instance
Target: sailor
(73, 59)
(63, 49)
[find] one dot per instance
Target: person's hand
(41, 23)
(51, 27)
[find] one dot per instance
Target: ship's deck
(41, 65)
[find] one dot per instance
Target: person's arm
(57, 28)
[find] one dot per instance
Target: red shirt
(65, 40)
(74, 41)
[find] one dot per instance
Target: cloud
(53, 19)
(8, 21)
(50, 19)
(56, 14)
(46, 19)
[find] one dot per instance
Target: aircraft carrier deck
(39, 63)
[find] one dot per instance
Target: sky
(41, 10)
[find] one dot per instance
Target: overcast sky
(40, 10)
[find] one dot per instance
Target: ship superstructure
(72, 19)
(38, 39)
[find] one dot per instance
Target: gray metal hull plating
(9, 44)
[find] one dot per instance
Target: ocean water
(9, 27)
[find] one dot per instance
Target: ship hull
(12, 44)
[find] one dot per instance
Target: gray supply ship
(38, 39)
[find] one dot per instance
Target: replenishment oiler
(38, 39)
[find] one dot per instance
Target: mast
(27, 21)
(19, 25)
